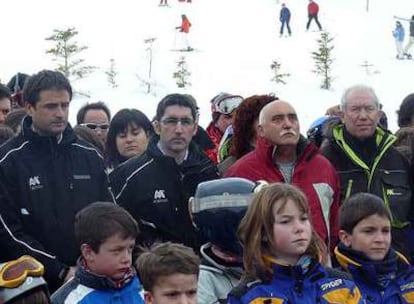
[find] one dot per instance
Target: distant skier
(399, 34)
(284, 19)
(411, 39)
(313, 10)
(163, 3)
(185, 29)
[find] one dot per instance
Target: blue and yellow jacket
(299, 285)
(388, 281)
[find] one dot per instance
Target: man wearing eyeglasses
(95, 116)
(46, 176)
(364, 156)
(222, 108)
(5, 102)
(155, 187)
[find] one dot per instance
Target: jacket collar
(350, 258)
(67, 137)
(304, 149)
(99, 282)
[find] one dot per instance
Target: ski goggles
(227, 104)
(14, 273)
(93, 126)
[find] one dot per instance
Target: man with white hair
(364, 156)
(282, 154)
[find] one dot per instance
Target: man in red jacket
(282, 154)
(313, 10)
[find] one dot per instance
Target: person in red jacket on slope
(313, 10)
(185, 29)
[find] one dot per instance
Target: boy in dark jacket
(382, 274)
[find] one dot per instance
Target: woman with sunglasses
(128, 136)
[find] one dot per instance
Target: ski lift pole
(175, 39)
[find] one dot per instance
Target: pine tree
(278, 76)
(323, 59)
(65, 52)
(182, 74)
(111, 73)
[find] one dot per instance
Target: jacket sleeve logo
(34, 183)
(159, 197)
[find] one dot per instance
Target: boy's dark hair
(358, 207)
(98, 221)
(35, 296)
(100, 105)
(165, 259)
(44, 80)
(4, 92)
(173, 100)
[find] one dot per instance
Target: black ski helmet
(217, 209)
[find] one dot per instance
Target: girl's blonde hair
(256, 228)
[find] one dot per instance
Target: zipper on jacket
(349, 188)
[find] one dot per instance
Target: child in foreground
(282, 254)
(382, 274)
(169, 274)
(217, 209)
(106, 235)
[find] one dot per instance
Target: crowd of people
(132, 209)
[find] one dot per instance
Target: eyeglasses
(228, 104)
(173, 121)
(14, 273)
(93, 126)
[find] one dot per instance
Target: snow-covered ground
(237, 39)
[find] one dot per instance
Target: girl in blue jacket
(382, 274)
(282, 254)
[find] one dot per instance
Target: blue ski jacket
(390, 281)
(398, 33)
(284, 14)
(294, 284)
(89, 288)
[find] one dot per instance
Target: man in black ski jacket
(366, 161)
(155, 187)
(46, 176)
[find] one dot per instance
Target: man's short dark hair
(80, 117)
(42, 81)
(5, 92)
(358, 207)
(173, 100)
(165, 259)
(406, 112)
(98, 221)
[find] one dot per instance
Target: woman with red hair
(245, 123)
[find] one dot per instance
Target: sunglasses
(93, 126)
(14, 273)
